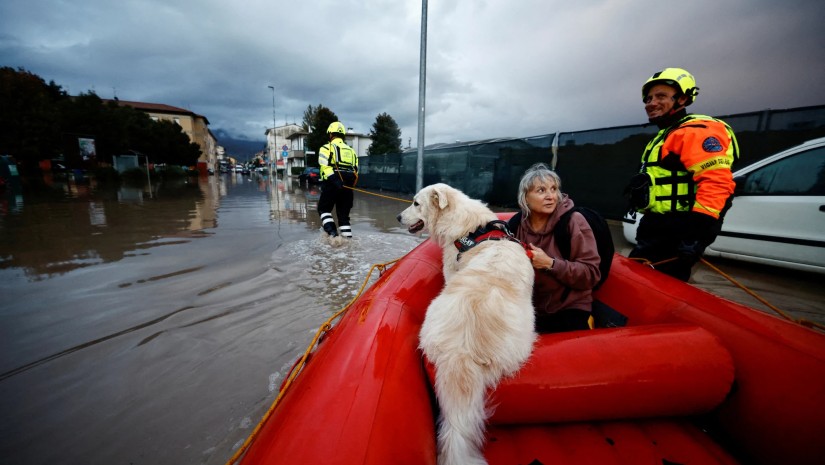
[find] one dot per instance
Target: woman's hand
(541, 261)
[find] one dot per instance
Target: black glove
(690, 251)
(700, 228)
(638, 192)
(700, 231)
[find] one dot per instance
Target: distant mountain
(241, 149)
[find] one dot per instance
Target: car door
(778, 213)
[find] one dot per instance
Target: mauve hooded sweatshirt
(580, 272)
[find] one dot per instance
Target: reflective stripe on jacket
(336, 155)
(689, 165)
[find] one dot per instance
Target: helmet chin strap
(675, 114)
(677, 107)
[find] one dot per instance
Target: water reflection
(69, 226)
(176, 313)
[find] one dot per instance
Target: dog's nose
(398, 217)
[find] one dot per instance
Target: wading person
(339, 170)
(685, 183)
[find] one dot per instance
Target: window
(800, 174)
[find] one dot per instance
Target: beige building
(194, 125)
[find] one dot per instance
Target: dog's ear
(439, 196)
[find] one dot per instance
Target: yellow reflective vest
(689, 165)
(336, 155)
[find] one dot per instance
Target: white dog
(481, 327)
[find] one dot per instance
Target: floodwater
(141, 330)
(155, 327)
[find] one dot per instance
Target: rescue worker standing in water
(685, 182)
(339, 170)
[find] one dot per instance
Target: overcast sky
(495, 68)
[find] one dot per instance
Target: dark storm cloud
(494, 68)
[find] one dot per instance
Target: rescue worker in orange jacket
(685, 182)
(339, 170)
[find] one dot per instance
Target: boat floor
(638, 442)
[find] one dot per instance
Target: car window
(800, 174)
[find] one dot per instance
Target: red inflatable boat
(692, 379)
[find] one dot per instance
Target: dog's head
(428, 205)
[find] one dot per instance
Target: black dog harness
(493, 231)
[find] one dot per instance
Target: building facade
(280, 141)
(192, 124)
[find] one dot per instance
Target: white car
(778, 212)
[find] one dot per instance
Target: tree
(316, 121)
(165, 142)
(29, 118)
(386, 136)
(39, 121)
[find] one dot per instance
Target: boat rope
(802, 321)
(378, 195)
(296, 368)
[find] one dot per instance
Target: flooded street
(156, 329)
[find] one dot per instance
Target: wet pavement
(155, 327)
(799, 295)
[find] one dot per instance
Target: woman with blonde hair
(563, 289)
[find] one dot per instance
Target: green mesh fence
(594, 165)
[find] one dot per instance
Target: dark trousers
(658, 239)
(334, 195)
(562, 321)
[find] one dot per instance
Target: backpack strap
(514, 223)
(561, 232)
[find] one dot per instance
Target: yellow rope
(647, 262)
(341, 177)
(801, 321)
(298, 366)
(378, 195)
(744, 288)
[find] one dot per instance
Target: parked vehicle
(778, 212)
(310, 175)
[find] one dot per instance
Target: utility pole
(273, 150)
(422, 91)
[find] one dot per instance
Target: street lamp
(274, 148)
